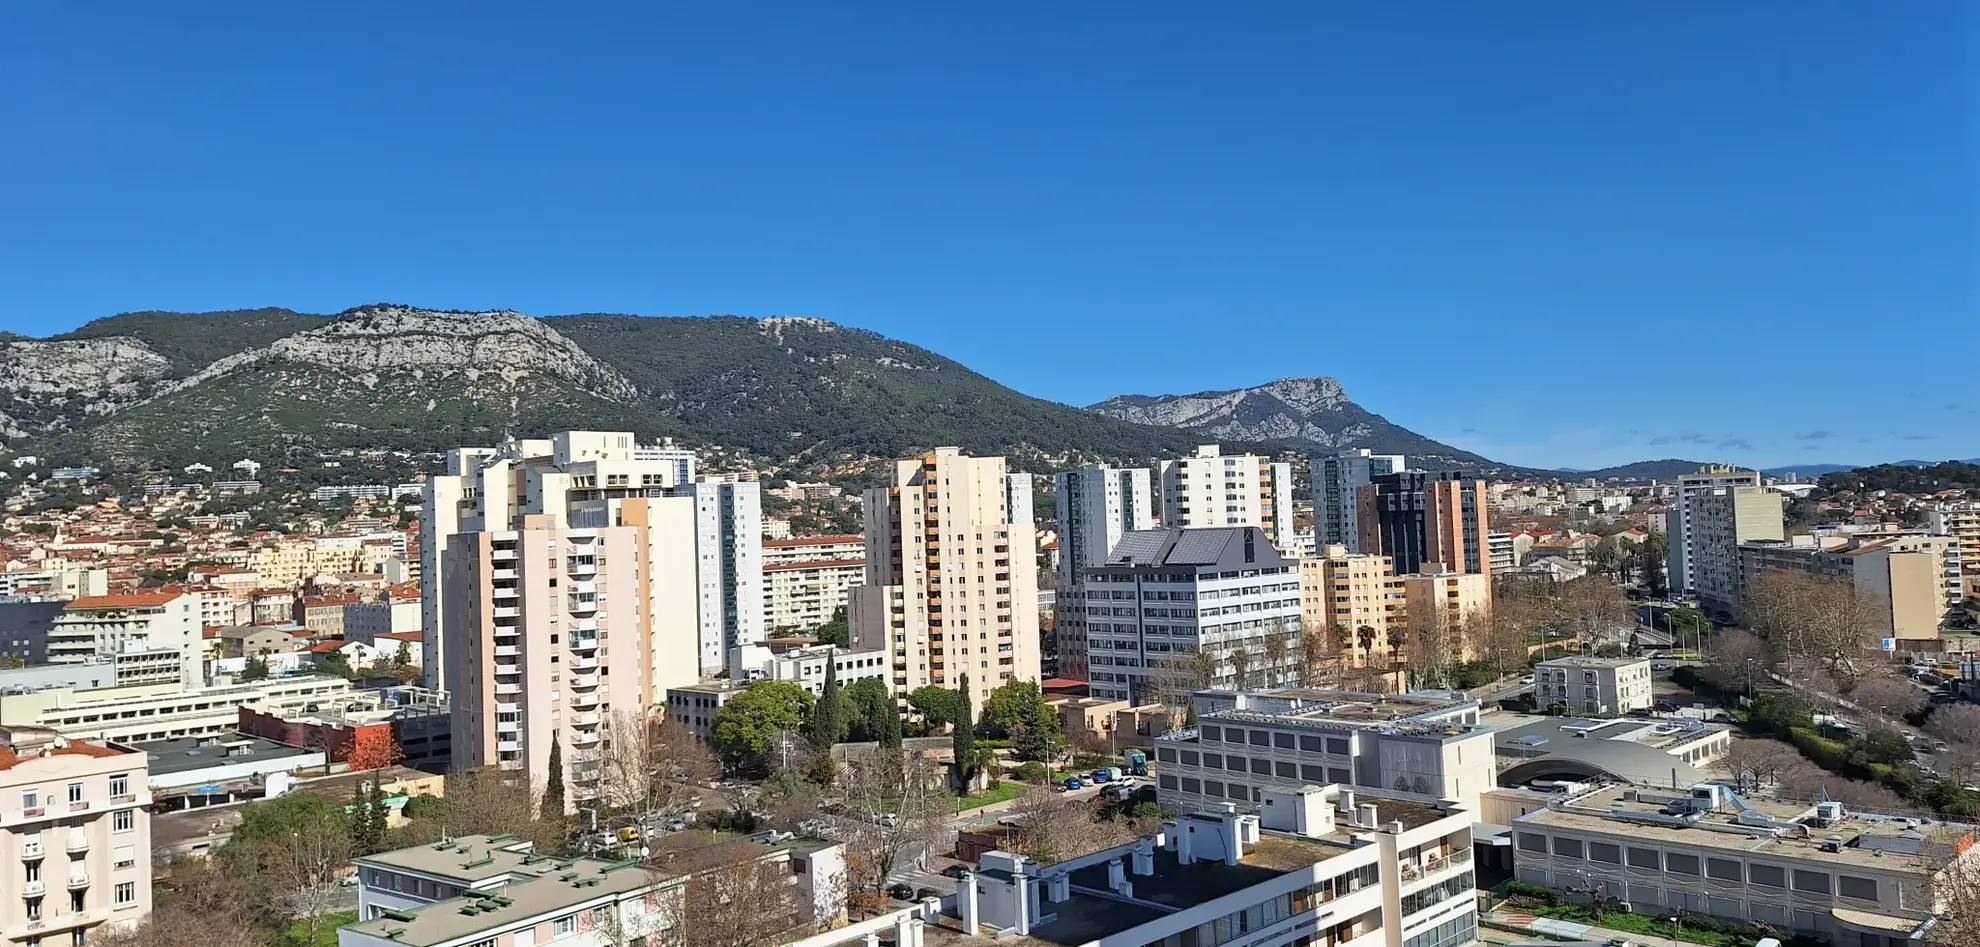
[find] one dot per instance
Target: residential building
(1211, 488)
(75, 827)
(1316, 867)
(1164, 594)
(136, 713)
(680, 460)
(25, 623)
(1914, 580)
(806, 666)
(1501, 552)
(1854, 879)
(1352, 592)
(695, 705)
(323, 615)
(1677, 522)
(1336, 519)
(1721, 519)
(951, 585)
(1456, 596)
(480, 889)
(1961, 521)
(807, 579)
(1422, 747)
(396, 611)
(150, 621)
(532, 610)
(1096, 507)
(1415, 517)
(242, 641)
(1588, 684)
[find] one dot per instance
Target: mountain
(155, 388)
(1310, 414)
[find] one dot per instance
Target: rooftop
(132, 600)
(20, 744)
(1427, 712)
(1590, 661)
(469, 859)
(185, 754)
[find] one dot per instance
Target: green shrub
(1033, 773)
(1537, 892)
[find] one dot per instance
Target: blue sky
(1563, 233)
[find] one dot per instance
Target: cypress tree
(888, 727)
(380, 815)
(963, 740)
(828, 718)
(360, 821)
(553, 789)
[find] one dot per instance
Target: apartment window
(1567, 847)
(1213, 761)
(1234, 763)
(1771, 876)
(1339, 774)
(1605, 853)
(125, 857)
(1212, 787)
(120, 785)
(1191, 785)
(1285, 770)
(1313, 774)
(1532, 842)
(123, 820)
(1165, 755)
(1189, 758)
(564, 925)
(1815, 882)
(1861, 889)
(75, 792)
(126, 893)
(1212, 733)
(31, 800)
(1681, 864)
(1166, 781)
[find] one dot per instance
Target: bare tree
(1886, 694)
(485, 801)
(1957, 892)
(1822, 620)
(1956, 723)
(1959, 763)
(650, 763)
(1754, 763)
(1320, 654)
(1175, 679)
(198, 905)
(303, 869)
(1594, 611)
(1052, 828)
(1431, 646)
(1498, 636)
(1278, 647)
(1854, 793)
(1242, 661)
(901, 806)
(732, 897)
(1740, 659)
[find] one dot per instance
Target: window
(1771, 876)
(1166, 781)
(1309, 744)
(1567, 847)
(126, 893)
(1283, 741)
(120, 785)
(1605, 852)
(1262, 767)
(564, 925)
(1285, 770)
(1643, 858)
(1337, 746)
(1313, 774)
(1212, 787)
(1816, 882)
(30, 800)
(1722, 868)
(1681, 864)
(1261, 738)
(1234, 763)
(123, 820)
(1862, 889)
(1339, 774)
(125, 857)
(490, 942)
(75, 792)
(1165, 755)
(1192, 784)
(1189, 758)
(1213, 761)
(1532, 842)
(1212, 733)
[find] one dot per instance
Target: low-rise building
(806, 666)
(141, 712)
(75, 827)
(1588, 684)
(1852, 879)
(1425, 747)
(695, 705)
(1666, 751)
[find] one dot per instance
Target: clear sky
(1557, 233)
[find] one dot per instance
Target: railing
(123, 798)
(78, 843)
(31, 888)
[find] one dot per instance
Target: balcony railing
(32, 888)
(78, 842)
(78, 879)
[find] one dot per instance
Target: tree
(198, 905)
(1822, 620)
(1956, 723)
(1957, 891)
(378, 815)
(648, 763)
(1320, 654)
(1782, 712)
(1753, 763)
(733, 898)
(1650, 556)
(374, 749)
(365, 837)
(1498, 636)
(867, 704)
(1017, 704)
(758, 720)
(1887, 695)
(936, 705)
(962, 741)
(1177, 677)
(301, 871)
(828, 717)
(878, 781)
(1431, 646)
(1594, 611)
(835, 632)
(887, 722)
(403, 657)
(1365, 637)
(255, 670)
(1740, 659)
(553, 785)
(1052, 828)
(1279, 649)
(1241, 661)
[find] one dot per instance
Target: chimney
(966, 902)
(1394, 828)
(1233, 843)
(1144, 856)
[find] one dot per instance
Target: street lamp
(1677, 926)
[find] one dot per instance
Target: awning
(1491, 833)
(1872, 921)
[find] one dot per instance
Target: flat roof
(1869, 841)
(1590, 661)
(185, 754)
(572, 884)
(1414, 712)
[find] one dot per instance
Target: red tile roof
(133, 600)
(811, 541)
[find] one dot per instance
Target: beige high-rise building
(1211, 488)
(1961, 521)
(1721, 519)
(1457, 596)
(75, 836)
(806, 579)
(951, 575)
(1914, 578)
(1351, 591)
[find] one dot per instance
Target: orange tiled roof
(133, 600)
(811, 541)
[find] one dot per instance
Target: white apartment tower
(1334, 481)
(1210, 488)
(951, 588)
(1677, 523)
(728, 549)
(1097, 506)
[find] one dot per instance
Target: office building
(1165, 594)
(1421, 747)
(140, 712)
(807, 579)
(1211, 488)
(1336, 520)
(1592, 685)
(1721, 519)
(1415, 517)
(1853, 879)
(1680, 563)
(75, 830)
(1315, 867)
(1351, 592)
(1096, 507)
(1913, 581)
(951, 576)
(806, 666)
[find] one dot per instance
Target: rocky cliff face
(46, 386)
(1313, 414)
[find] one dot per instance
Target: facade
(137, 713)
(1721, 519)
(103, 626)
(392, 614)
(1317, 867)
(1165, 594)
(1096, 507)
(1961, 521)
(1415, 517)
(1677, 522)
(1500, 550)
(1336, 520)
(806, 580)
(1423, 747)
(1456, 596)
(1915, 579)
(1847, 878)
(694, 705)
(806, 666)
(529, 658)
(1594, 685)
(1351, 591)
(75, 830)
(951, 582)
(1211, 488)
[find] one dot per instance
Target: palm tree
(1366, 634)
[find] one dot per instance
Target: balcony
(586, 719)
(503, 555)
(585, 662)
(78, 879)
(583, 699)
(30, 850)
(501, 574)
(508, 688)
(584, 738)
(78, 842)
(585, 624)
(508, 613)
(584, 681)
(32, 888)
(507, 651)
(508, 726)
(577, 606)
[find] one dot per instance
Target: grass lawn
(1642, 924)
(1006, 791)
(326, 933)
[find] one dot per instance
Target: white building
(728, 550)
(1210, 488)
(1335, 478)
(1164, 594)
(1677, 523)
(681, 459)
(94, 627)
(807, 579)
(1424, 747)
(1589, 684)
(389, 615)
(75, 827)
(806, 666)
(1096, 507)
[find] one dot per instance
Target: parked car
(901, 892)
(1075, 783)
(923, 894)
(955, 871)
(1527, 679)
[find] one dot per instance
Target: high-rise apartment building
(1721, 519)
(1211, 488)
(1677, 523)
(1335, 479)
(98, 627)
(806, 579)
(1456, 597)
(1165, 594)
(1096, 507)
(728, 570)
(951, 581)
(1351, 591)
(1415, 517)
(1961, 521)
(76, 836)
